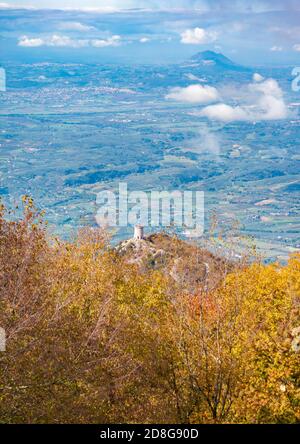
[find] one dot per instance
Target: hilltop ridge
(187, 264)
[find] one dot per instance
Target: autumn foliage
(93, 338)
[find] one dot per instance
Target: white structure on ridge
(138, 232)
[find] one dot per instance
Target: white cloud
(144, 40)
(62, 41)
(15, 6)
(207, 142)
(297, 47)
(56, 40)
(267, 104)
(115, 40)
(257, 77)
(28, 42)
(268, 87)
(75, 26)
(194, 94)
(223, 112)
(191, 76)
(198, 36)
(272, 108)
(276, 48)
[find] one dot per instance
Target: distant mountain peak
(211, 58)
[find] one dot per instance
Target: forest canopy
(92, 337)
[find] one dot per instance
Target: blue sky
(138, 31)
(234, 5)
